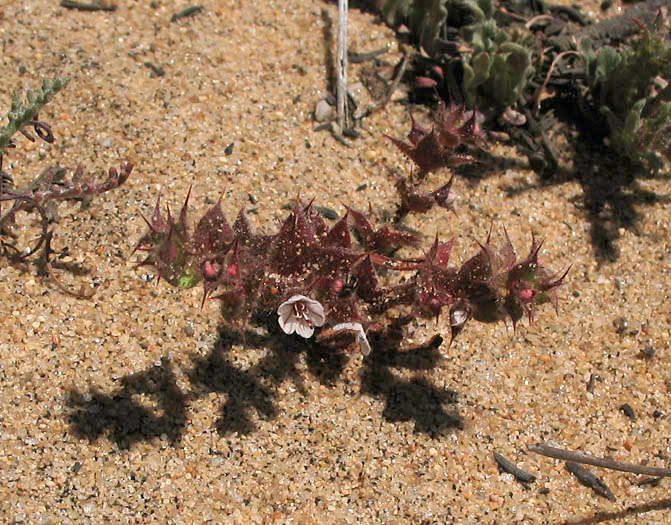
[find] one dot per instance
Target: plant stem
(341, 65)
(581, 457)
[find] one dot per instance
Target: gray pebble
(323, 111)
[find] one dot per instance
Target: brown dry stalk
(581, 457)
(541, 90)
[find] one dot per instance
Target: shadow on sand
(150, 404)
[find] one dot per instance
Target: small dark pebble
(327, 213)
(648, 352)
(341, 139)
(621, 324)
(589, 479)
(628, 411)
(188, 330)
(189, 11)
(330, 99)
(252, 199)
(76, 467)
(593, 378)
(157, 71)
(301, 71)
(308, 145)
(229, 149)
(362, 187)
(544, 491)
(508, 466)
(657, 414)
(606, 4)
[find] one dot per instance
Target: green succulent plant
(425, 18)
(499, 66)
(622, 89)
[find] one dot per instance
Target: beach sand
(138, 407)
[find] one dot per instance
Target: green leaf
(21, 114)
(633, 121)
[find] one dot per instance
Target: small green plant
(498, 67)
(623, 90)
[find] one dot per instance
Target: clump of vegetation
(425, 18)
(344, 278)
(41, 194)
(629, 88)
(498, 65)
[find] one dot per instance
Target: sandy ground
(132, 407)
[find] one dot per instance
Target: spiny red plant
(435, 148)
(342, 278)
(353, 285)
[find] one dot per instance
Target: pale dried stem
(537, 96)
(341, 65)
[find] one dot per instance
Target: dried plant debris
(42, 193)
(589, 479)
(87, 6)
(508, 466)
(581, 457)
(189, 11)
(615, 29)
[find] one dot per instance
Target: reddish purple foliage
(248, 272)
(436, 148)
(348, 267)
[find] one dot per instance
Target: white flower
(300, 314)
(364, 345)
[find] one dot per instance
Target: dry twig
(581, 457)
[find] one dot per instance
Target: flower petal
(361, 338)
(316, 313)
(364, 345)
(290, 326)
(304, 329)
(357, 327)
(458, 317)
